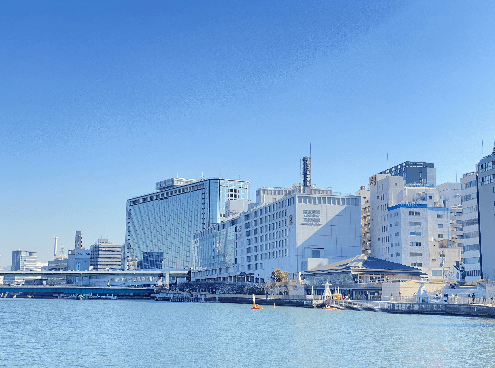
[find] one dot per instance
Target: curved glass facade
(161, 225)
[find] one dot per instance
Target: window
(415, 244)
(415, 254)
(439, 216)
(440, 226)
(440, 236)
(415, 233)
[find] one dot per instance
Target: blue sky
(100, 100)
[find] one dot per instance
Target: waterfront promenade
(479, 307)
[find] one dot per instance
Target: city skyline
(100, 102)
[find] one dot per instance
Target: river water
(125, 333)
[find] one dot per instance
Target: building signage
(311, 218)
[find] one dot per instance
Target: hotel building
(160, 226)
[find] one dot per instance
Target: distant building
(365, 219)
(24, 260)
(78, 260)
(78, 243)
(470, 225)
(165, 221)
(420, 174)
(486, 193)
(105, 255)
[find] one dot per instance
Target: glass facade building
(23, 260)
(165, 221)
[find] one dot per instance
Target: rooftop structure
(414, 173)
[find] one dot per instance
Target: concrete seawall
(438, 308)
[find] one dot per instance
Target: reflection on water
(107, 333)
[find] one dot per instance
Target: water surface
(125, 333)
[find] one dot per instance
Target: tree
(280, 276)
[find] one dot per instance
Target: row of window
(470, 209)
(165, 195)
(471, 234)
(264, 256)
(270, 208)
(488, 179)
(468, 184)
(469, 197)
(486, 166)
(471, 247)
(330, 200)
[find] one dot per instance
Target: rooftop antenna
(387, 159)
(55, 248)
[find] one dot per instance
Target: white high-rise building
(486, 193)
(411, 225)
(470, 221)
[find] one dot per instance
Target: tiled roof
(363, 262)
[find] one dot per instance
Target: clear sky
(101, 99)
